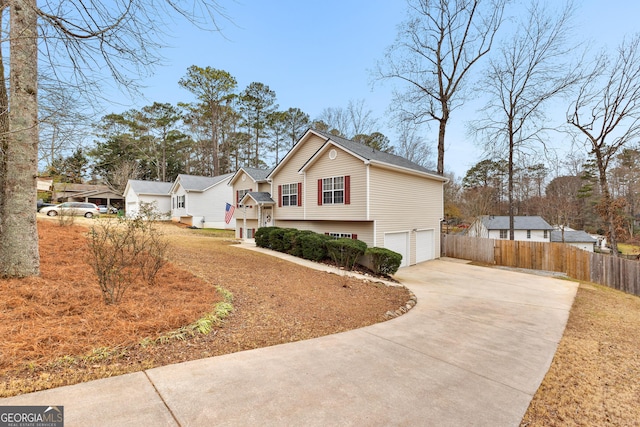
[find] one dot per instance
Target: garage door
(425, 245)
(398, 242)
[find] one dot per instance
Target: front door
(267, 216)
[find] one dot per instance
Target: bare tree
(80, 39)
(606, 111)
(434, 53)
(531, 68)
(411, 146)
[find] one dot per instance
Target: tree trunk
(19, 255)
(441, 133)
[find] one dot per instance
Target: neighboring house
(137, 192)
(257, 209)
(342, 188)
(90, 193)
(577, 238)
(526, 228)
(200, 201)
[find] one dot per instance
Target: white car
(87, 210)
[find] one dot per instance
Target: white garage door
(398, 242)
(425, 245)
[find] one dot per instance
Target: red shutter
(241, 232)
(347, 190)
(238, 201)
(299, 194)
(354, 236)
(279, 196)
(320, 192)
(326, 234)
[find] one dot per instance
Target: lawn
(594, 379)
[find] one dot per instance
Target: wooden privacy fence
(617, 273)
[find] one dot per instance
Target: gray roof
(259, 175)
(519, 223)
(201, 183)
(150, 187)
(369, 153)
(260, 197)
(577, 236)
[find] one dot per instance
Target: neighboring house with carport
(200, 201)
(89, 193)
(342, 188)
(138, 192)
(578, 238)
(526, 228)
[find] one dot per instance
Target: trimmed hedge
(313, 246)
(345, 252)
(318, 247)
(383, 260)
(262, 236)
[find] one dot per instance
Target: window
(528, 234)
(503, 234)
(341, 235)
(290, 195)
(240, 194)
(545, 234)
(333, 190)
(181, 201)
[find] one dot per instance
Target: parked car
(107, 209)
(41, 205)
(88, 210)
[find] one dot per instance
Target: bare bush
(123, 250)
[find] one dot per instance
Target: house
(526, 228)
(88, 193)
(137, 192)
(342, 188)
(200, 201)
(578, 238)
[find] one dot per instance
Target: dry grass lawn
(594, 379)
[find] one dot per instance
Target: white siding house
(578, 238)
(526, 228)
(137, 192)
(200, 201)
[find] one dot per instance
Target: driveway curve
(472, 352)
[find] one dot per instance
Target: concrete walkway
(472, 352)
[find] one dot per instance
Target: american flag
(228, 212)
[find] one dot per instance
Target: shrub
(277, 240)
(384, 261)
(262, 236)
(121, 251)
(295, 239)
(314, 246)
(345, 252)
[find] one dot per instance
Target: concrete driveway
(472, 352)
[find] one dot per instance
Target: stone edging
(403, 309)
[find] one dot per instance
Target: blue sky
(318, 54)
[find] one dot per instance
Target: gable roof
(198, 183)
(149, 187)
(260, 197)
(364, 153)
(572, 236)
(519, 223)
(258, 175)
